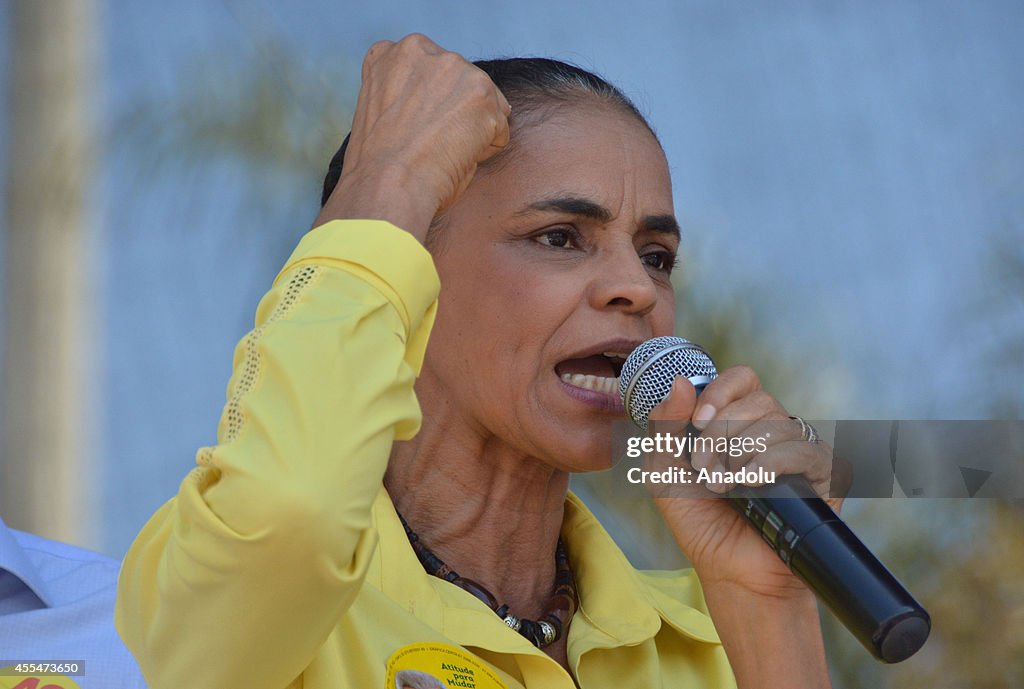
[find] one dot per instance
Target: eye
(560, 238)
(662, 261)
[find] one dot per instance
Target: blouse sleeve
(239, 579)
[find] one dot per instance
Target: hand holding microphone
(808, 538)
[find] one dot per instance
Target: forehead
(590, 150)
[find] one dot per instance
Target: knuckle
(506, 107)
(762, 400)
(416, 40)
(379, 47)
(745, 373)
(480, 87)
(811, 454)
(415, 46)
(481, 82)
(453, 66)
(452, 59)
(373, 54)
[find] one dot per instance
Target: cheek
(496, 316)
(478, 326)
(494, 292)
(664, 316)
(481, 299)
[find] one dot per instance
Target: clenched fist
(424, 120)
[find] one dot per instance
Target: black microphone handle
(822, 550)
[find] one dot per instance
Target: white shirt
(57, 604)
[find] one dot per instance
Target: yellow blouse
(281, 562)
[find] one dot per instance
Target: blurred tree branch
(257, 128)
(998, 315)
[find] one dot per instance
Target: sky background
(844, 170)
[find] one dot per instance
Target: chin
(583, 451)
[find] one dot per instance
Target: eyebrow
(583, 207)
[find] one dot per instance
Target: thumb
(679, 404)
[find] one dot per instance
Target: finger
(373, 55)
(756, 436)
(810, 460)
(738, 418)
(417, 42)
(732, 384)
(501, 126)
(738, 436)
(499, 122)
(394, 67)
(749, 409)
(377, 58)
(503, 103)
(678, 405)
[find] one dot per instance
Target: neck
(490, 513)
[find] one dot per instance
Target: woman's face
(549, 262)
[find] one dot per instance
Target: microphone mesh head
(649, 372)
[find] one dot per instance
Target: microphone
(798, 525)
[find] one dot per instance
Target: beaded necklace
(540, 633)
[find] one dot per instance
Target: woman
(296, 553)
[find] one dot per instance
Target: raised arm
(240, 578)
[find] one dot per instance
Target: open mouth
(598, 372)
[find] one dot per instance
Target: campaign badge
(438, 666)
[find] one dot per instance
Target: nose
(621, 282)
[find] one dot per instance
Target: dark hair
(529, 84)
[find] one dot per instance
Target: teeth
(595, 383)
(615, 355)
